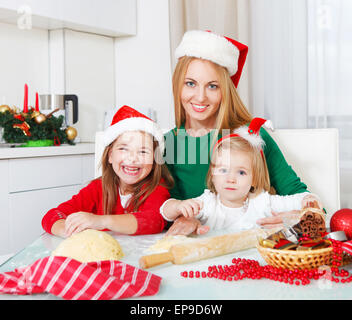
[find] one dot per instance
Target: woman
(207, 107)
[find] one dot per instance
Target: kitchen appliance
(55, 102)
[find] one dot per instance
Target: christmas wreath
(34, 128)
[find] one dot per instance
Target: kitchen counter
(175, 287)
(27, 152)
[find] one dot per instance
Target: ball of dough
(88, 246)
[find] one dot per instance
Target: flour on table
(165, 243)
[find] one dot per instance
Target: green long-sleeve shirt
(188, 160)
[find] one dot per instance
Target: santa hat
(129, 119)
(222, 50)
(250, 133)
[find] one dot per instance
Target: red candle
(36, 102)
(25, 103)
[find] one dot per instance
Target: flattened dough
(88, 246)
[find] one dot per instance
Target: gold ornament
(71, 133)
(40, 118)
(4, 108)
(35, 114)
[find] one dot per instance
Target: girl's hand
(184, 226)
(58, 228)
(79, 221)
(276, 220)
(189, 208)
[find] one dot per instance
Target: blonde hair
(260, 180)
(232, 112)
(159, 175)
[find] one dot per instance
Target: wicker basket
(290, 259)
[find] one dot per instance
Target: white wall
(143, 67)
(83, 64)
(90, 74)
(23, 59)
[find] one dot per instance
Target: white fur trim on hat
(134, 124)
(209, 46)
(254, 139)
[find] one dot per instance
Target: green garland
(50, 129)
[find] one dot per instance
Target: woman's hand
(189, 208)
(79, 221)
(277, 219)
(184, 226)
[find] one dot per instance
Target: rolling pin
(206, 248)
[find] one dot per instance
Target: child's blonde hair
(159, 175)
(260, 180)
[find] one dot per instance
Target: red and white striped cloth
(346, 246)
(72, 280)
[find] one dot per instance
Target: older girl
(127, 197)
(207, 106)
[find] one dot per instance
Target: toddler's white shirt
(217, 216)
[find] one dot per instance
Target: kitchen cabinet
(113, 18)
(27, 209)
(34, 180)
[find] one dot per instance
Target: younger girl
(239, 186)
(133, 186)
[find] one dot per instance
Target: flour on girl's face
(132, 157)
(232, 176)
